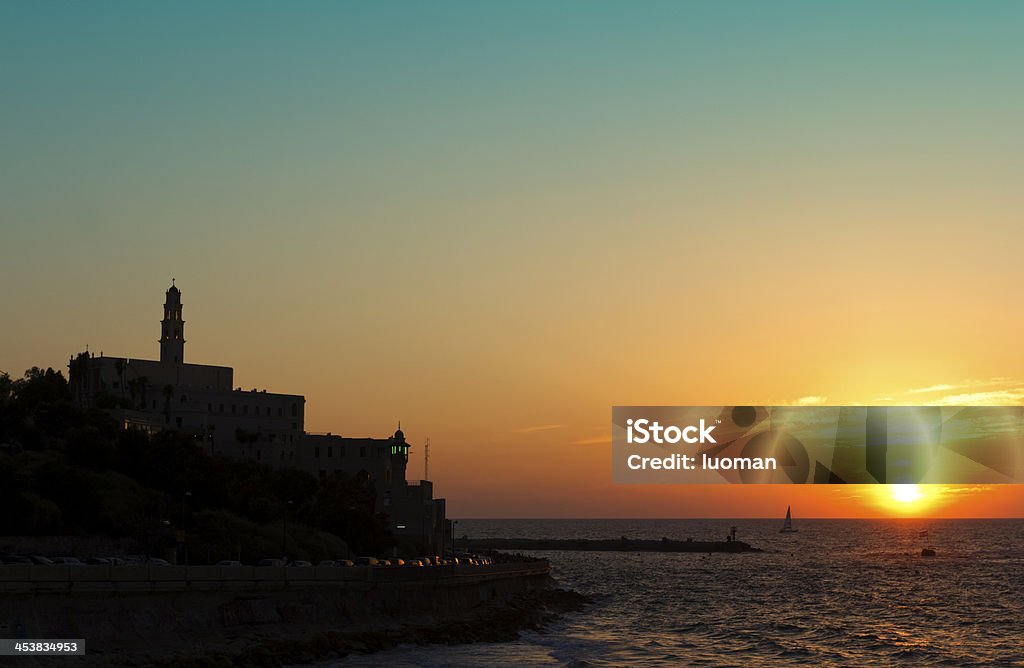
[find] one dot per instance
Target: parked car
(97, 561)
(39, 560)
(414, 562)
(67, 561)
(301, 564)
(367, 561)
(228, 563)
(270, 562)
(15, 560)
(153, 561)
(344, 562)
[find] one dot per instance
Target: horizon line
(727, 519)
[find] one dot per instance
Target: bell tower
(172, 329)
(399, 455)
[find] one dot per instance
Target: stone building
(201, 400)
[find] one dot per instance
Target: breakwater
(608, 545)
(239, 616)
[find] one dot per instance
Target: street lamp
(184, 544)
(284, 534)
(454, 522)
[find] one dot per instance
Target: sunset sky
(494, 221)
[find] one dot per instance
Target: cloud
(1007, 397)
(596, 440)
(998, 391)
(812, 400)
(972, 489)
(536, 428)
(964, 385)
(932, 388)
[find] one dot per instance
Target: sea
(835, 593)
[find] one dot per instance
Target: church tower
(172, 329)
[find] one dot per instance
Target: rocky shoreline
(494, 621)
(263, 624)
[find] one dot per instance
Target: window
(316, 451)
(209, 408)
(245, 409)
(323, 474)
(154, 403)
(232, 408)
(341, 452)
(221, 408)
(177, 421)
(362, 450)
(295, 410)
(330, 451)
(295, 426)
(268, 410)
(259, 455)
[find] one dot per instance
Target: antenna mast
(426, 459)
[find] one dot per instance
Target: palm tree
(77, 370)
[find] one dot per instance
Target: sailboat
(787, 526)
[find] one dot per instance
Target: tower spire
(172, 328)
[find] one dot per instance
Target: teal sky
(430, 211)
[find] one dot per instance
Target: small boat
(787, 526)
(927, 552)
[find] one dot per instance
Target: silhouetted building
(200, 399)
(414, 513)
(196, 398)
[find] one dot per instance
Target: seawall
(608, 545)
(267, 616)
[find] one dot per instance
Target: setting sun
(907, 499)
(906, 493)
